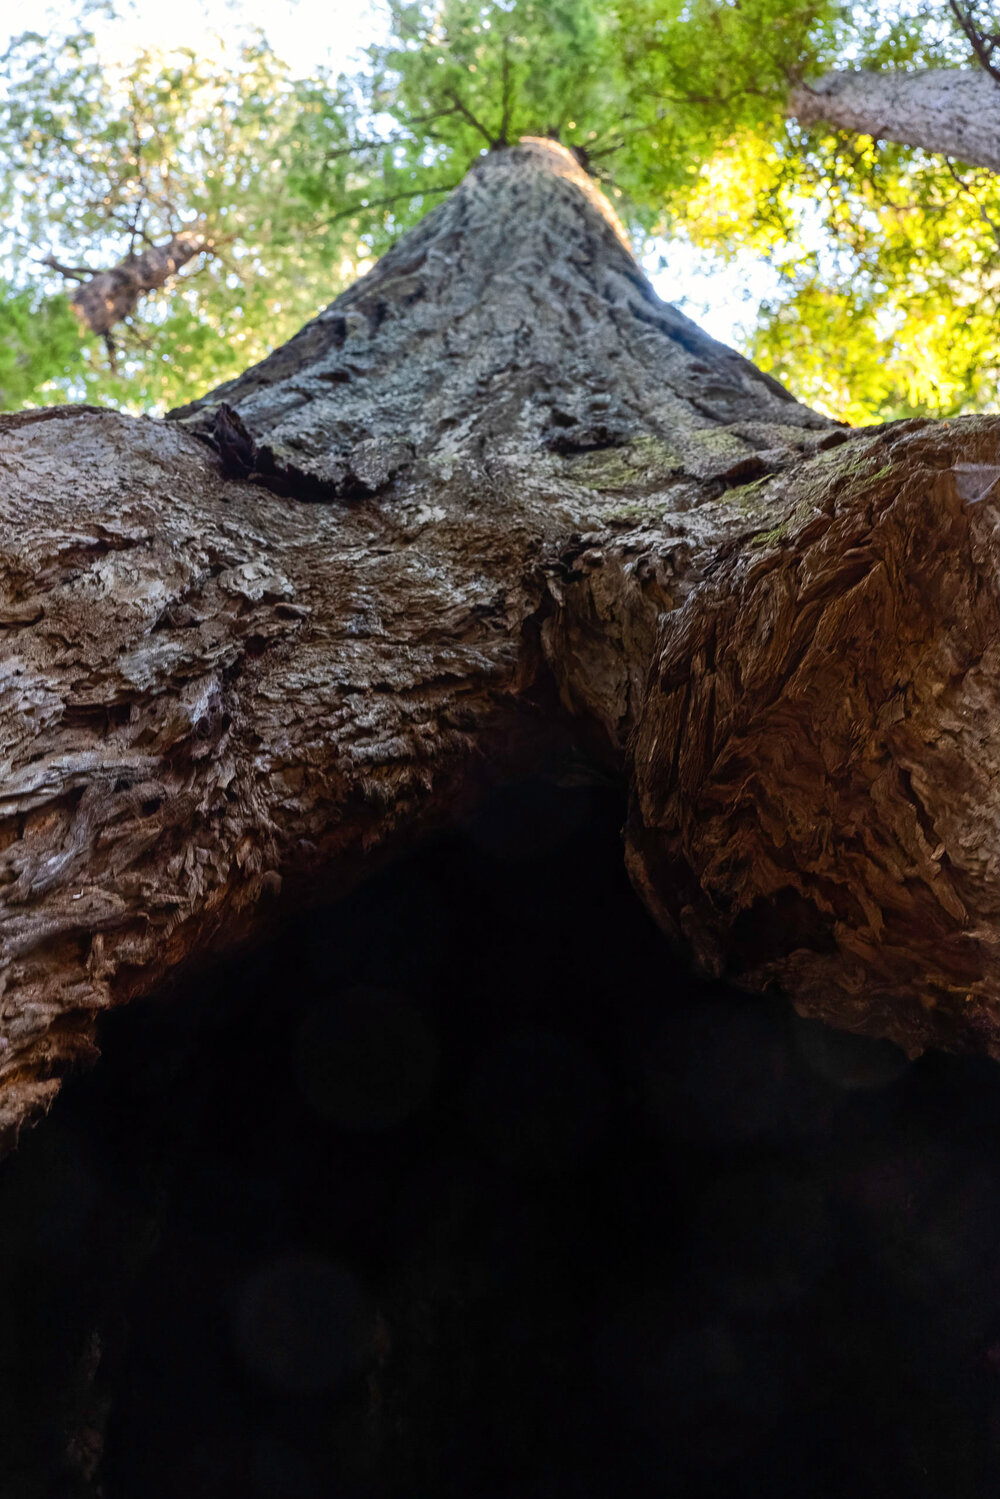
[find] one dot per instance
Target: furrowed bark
(948, 111)
(496, 499)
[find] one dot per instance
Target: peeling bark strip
(553, 508)
(948, 111)
(108, 297)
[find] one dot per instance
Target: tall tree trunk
(498, 499)
(949, 111)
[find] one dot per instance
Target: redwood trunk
(496, 500)
(948, 111)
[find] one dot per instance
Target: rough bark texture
(498, 498)
(108, 297)
(949, 111)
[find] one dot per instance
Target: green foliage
(888, 259)
(644, 90)
(101, 162)
(895, 312)
(40, 348)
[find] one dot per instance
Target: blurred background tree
(103, 164)
(228, 199)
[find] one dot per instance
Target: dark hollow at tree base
(464, 1187)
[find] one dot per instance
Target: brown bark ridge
(498, 498)
(105, 298)
(948, 111)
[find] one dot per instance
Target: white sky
(307, 33)
(303, 32)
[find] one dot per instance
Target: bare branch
(983, 45)
(386, 202)
(470, 118)
(71, 272)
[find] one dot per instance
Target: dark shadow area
(466, 1190)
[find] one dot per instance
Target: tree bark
(948, 111)
(496, 500)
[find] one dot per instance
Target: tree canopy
(886, 258)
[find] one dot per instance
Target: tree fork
(106, 298)
(549, 507)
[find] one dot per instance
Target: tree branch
(389, 200)
(983, 44)
(72, 273)
(108, 297)
(470, 119)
